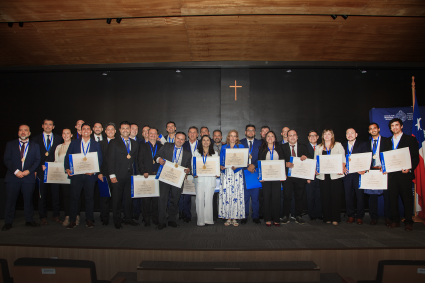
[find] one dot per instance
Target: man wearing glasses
(313, 190)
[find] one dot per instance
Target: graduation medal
(23, 159)
(47, 153)
(176, 165)
(349, 159)
(85, 158)
(86, 150)
(153, 161)
(374, 156)
(204, 167)
(250, 156)
(128, 156)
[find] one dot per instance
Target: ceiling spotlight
(105, 73)
(178, 71)
(334, 17)
(363, 71)
(108, 21)
(21, 24)
(10, 24)
(344, 17)
(119, 20)
(289, 71)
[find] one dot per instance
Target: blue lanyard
(127, 146)
(170, 140)
(196, 146)
(45, 144)
(26, 147)
(271, 152)
(87, 149)
(328, 152)
(153, 154)
(392, 141)
(175, 158)
(348, 146)
(375, 148)
(204, 160)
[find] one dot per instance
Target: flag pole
(416, 218)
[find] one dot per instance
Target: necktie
(98, 139)
(48, 141)
(373, 159)
(314, 148)
(23, 149)
(293, 151)
(127, 143)
(250, 145)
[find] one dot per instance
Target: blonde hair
(237, 137)
(323, 138)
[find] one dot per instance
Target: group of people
(225, 196)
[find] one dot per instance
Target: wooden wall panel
(359, 264)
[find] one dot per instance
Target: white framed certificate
(302, 169)
(271, 170)
(170, 174)
(55, 174)
(142, 187)
(80, 164)
(373, 180)
(396, 160)
(212, 166)
(358, 162)
(237, 157)
(189, 186)
(329, 164)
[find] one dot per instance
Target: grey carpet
(312, 235)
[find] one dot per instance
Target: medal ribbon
(87, 149)
(252, 147)
(175, 158)
(153, 154)
(374, 149)
(45, 144)
(170, 140)
(126, 146)
(349, 152)
(328, 152)
(196, 146)
(204, 160)
(26, 147)
(392, 141)
(271, 152)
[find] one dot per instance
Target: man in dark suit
(98, 134)
(313, 188)
(400, 183)
(351, 180)
(292, 185)
(148, 166)
(186, 200)
(47, 142)
(122, 154)
(134, 130)
(253, 145)
(83, 181)
(377, 145)
(77, 134)
(21, 158)
(104, 201)
(183, 157)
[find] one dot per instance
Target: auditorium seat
(4, 272)
(46, 270)
(396, 271)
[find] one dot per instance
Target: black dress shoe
(180, 215)
(132, 223)
(261, 217)
(105, 223)
(136, 217)
(172, 224)
(89, 224)
(160, 226)
(256, 221)
(118, 225)
(186, 220)
(6, 227)
(243, 221)
(32, 224)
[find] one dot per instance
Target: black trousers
(271, 194)
(373, 206)
(122, 191)
(173, 209)
(78, 183)
(293, 187)
(400, 185)
(12, 194)
(150, 209)
(105, 204)
(331, 193)
(42, 199)
(352, 192)
(215, 206)
(313, 198)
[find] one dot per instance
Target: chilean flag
(419, 134)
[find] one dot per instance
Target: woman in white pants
(204, 186)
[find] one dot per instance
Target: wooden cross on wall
(235, 86)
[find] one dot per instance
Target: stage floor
(188, 236)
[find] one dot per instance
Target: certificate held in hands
(302, 169)
(55, 174)
(358, 162)
(373, 180)
(237, 157)
(189, 186)
(82, 164)
(396, 160)
(210, 168)
(271, 170)
(171, 175)
(329, 164)
(142, 187)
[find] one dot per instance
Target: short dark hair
(265, 127)
(221, 133)
(47, 119)
(181, 133)
(395, 120)
(193, 127)
(111, 124)
(250, 126)
(86, 124)
(98, 123)
(293, 130)
(125, 123)
(373, 123)
(203, 128)
(312, 131)
(25, 125)
(134, 124)
(154, 129)
(146, 126)
(170, 122)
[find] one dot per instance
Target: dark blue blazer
(186, 145)
(255, 149)
(223, 155)
(57, 140)
(140, 141)
(359, 147)
(12, 160)
(75, 147)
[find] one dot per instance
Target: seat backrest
(396, 271)
(4, 272)
(46, 270)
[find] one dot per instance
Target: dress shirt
(350, 147)
(25, 153)
(295, 149)
(193, 146)
(378, 150)
(396, 140)
(84, 144)
(51, 136)
(313, 146)
(96, 136)
(109, 140)
(217, 147)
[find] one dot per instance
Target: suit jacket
(412, 144)
(255, 150)
(337, 149)
(167, 151)
(104, 146)
(383, 143)
(76, 136)
(359, 147)
(102, 134)
(186, 145)
(57, 140)
(145, 159)
(118, 163)
(139, 140)
(12, 160)
(301, 150)
(75, 147)
(263, 154)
